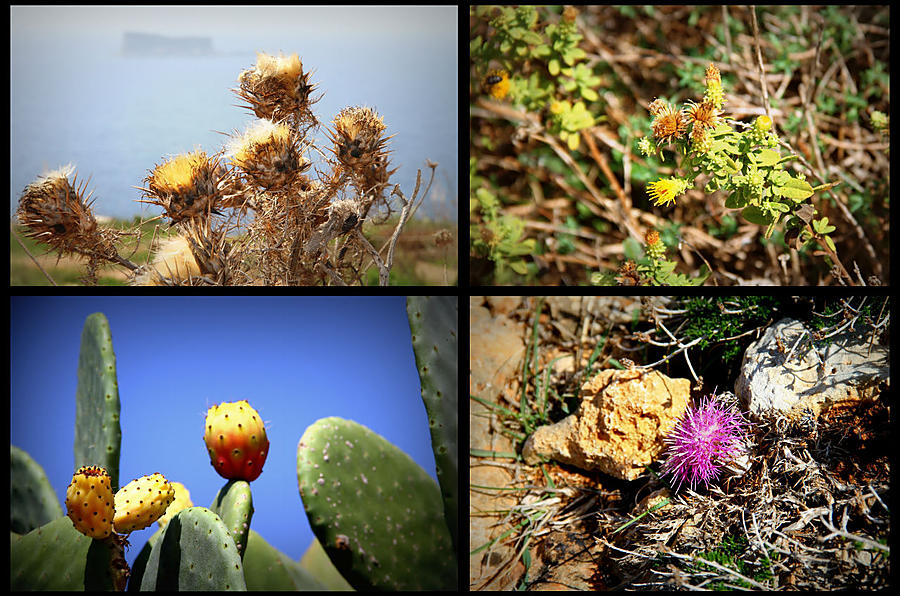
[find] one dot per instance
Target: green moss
(721, 318)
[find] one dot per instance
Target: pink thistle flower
(703, 440)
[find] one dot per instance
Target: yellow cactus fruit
(182, 501)
(141, 502)
(89, 502)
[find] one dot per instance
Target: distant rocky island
(149, 44)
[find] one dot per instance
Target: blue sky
(295, 359)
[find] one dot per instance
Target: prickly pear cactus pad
(98, 434)
(376, 512)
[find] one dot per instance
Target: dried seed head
(173, 263)
(187, 186)
(270, 155)
(703, 115)
(360, 146)
(56, 211)
(358, 136)
(277, 88)
(669, 124)
(628, 275)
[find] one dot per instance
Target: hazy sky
(230, 20)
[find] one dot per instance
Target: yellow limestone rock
(620, 425)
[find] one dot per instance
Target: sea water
(79, 100)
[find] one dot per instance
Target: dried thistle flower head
(703, 115)
(360, 146)
(187, 186)
(270, 155)
(56, 211)
(358, 136)
(668, 124)
(277, 88)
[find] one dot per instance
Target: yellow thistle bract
(713, 77)
(187, 186)
(269, 154)
(177, 173)
(714, 93)
(658, 106)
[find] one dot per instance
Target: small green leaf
(720, 145)
(755, 215)
(532, 38)
(519, 267)
(517, 32)
(730, 166)
(830, 243)
(779, 178)
(767, 157)
(796, 189)
(553, 67)
(736, 200)
(589, 94)
(779, 207)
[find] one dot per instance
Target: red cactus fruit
(236, 440)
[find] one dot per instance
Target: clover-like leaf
(821, 226)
